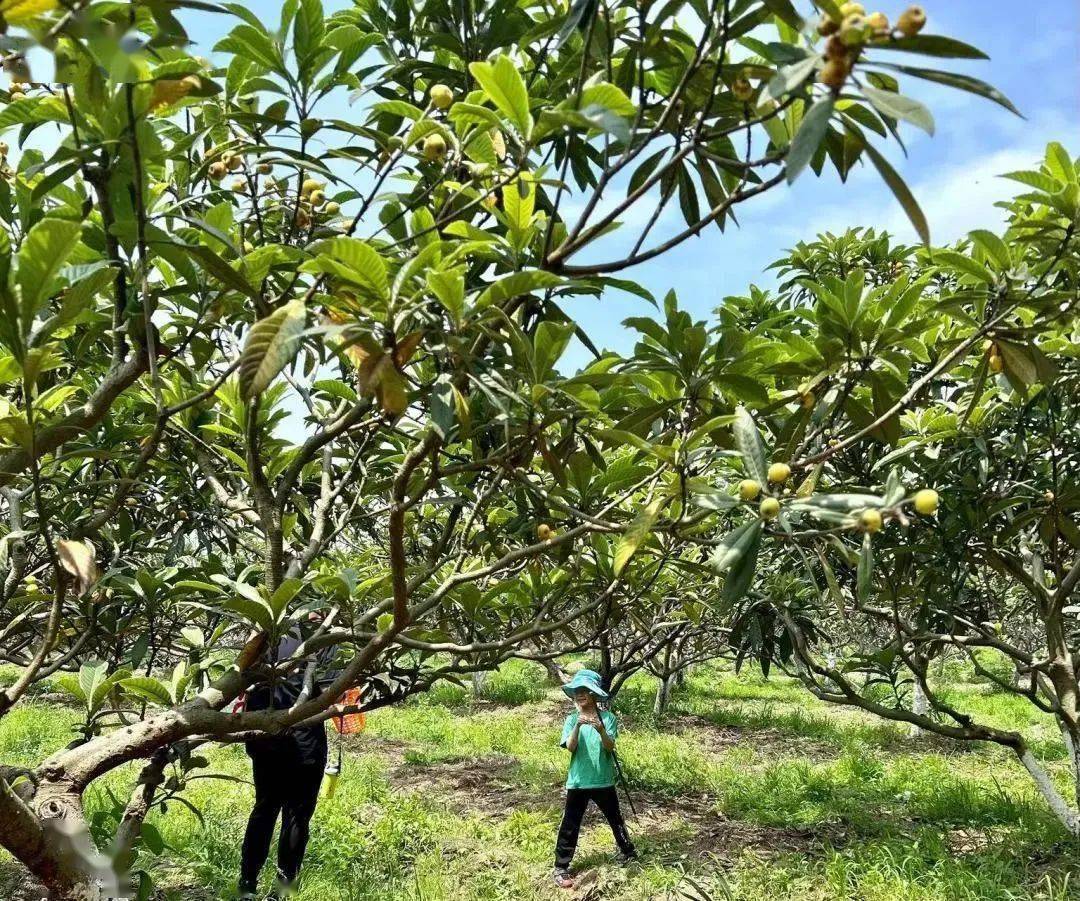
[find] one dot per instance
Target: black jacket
(307, 741)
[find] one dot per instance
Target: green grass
(750, 787)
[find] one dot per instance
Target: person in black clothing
(288, 771)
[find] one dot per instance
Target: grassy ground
(749, 789)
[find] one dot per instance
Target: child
(589, 735)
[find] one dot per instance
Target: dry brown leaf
(78, 560)
(406, 347)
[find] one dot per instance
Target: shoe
(563, 879)
(626, 852)
(283, 888)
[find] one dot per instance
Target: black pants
(287, 783)
(577, 802)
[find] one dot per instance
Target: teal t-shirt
(590, 765)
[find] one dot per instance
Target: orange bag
(350, 722)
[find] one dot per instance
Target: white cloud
(956, 197)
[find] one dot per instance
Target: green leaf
(400, 108)
(741, 574)
(636, 534)
(1020, 361)
(901, 191)
(1060, 163)
(219, 268)
(247, 42)
(282, 597)
(606, 95)
(149, 689)
(933, 45)
(749, 443)
(449, 286)
(270, 347)
(580, 14)
(713, 499)
(960, 82)
(549, 343)
(503, 83)
(151, 839)
(785, 12)
(463, 114)
(993, 247)
(897, 106)
(865, 571)
(254, 611)
(519, 198)
(44, 251)
(790, 77)
(844, 503)
(91, 675)
(33, 109)
(356, 262)
(308, 30)
(964, 264)
(830, 8)
(809, 137)
(734, 545)
(516, 284)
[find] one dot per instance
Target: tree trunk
(479, 682)
(919, 705)
(48, 835)
(555, 673)
(663, 694)
(1065, 814)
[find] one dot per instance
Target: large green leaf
(519, 199)
(636, 534)
(960, 82)
(270, 347)
(283, 596)
(735, 544)
(996, 249)
(355, 262)
(791, 77)
(608, 96)
(218, 267)
(741, 573)
(308, 30)
(964, 264)
(897, 106)
(149, 689)
(809, 137)
(933, 45)
(503, 83)
(255, 611)
(91, 676)
(41, 256)
(515, 284)
(748, 441)
(865, 570)
(549, 343)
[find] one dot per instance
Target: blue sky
(1035, 61)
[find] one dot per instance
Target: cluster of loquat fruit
(750, 490)
(870, 520)
(433, 147)
(853, 31)
(993, 357)
(312, 192)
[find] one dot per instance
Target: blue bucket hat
(586, 679)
